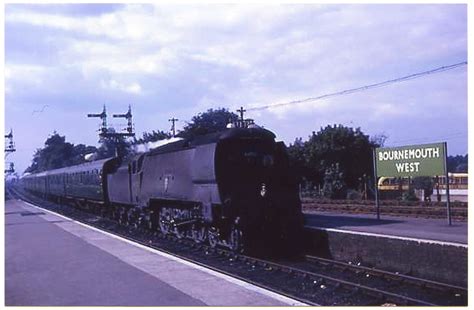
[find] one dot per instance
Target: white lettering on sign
(431, 152)
(413, 160)
(408, 167)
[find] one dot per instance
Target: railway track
(404, 285)
(459, 214)
(312, 280)
(386, 274)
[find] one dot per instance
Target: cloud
(121, 25)
(19, 76)
(93, 56)
(179, 60)
(133, 88)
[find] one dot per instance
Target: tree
(426, 184)
(208, 122)
(58, 153)
(409, 195)
(334, 186)
(296, 152)
(457, 163)
(378, 140)
(111, 147)
(79, 153)
(350, 149)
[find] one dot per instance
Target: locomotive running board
(172, 202)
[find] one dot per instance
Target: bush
(353, 195)
(409, 196)
(334, 186)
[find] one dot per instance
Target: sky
(65, 61)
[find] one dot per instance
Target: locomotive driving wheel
(213, 236)
(199, 233)
(165, 222)
(122, 216)
(235, 239)
(179, 232)
(165, 226)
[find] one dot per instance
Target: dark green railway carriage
(35, 182)
(81, 181)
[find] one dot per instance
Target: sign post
(412, 161)
(448, 203)
(377, 204)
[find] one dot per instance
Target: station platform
(391, 226)
(426, 248)
(54, 261)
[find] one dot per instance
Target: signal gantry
(105, 132)
(9, 148)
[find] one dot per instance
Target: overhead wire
(450, 137)
(363, 88)
(357, 89)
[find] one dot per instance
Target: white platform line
(389, 236)
(230, 279)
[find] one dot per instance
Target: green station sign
(411, 161)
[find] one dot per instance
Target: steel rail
(389, 296)
(304, 273)
(392, 275)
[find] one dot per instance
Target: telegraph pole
(244, 123)
(173, 127)
(241, 112)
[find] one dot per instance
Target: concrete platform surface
(416, 228)
(54, 261)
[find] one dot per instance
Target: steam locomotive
(232, 188)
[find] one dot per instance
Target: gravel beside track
(457, 213)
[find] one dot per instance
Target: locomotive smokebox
(255, 184)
